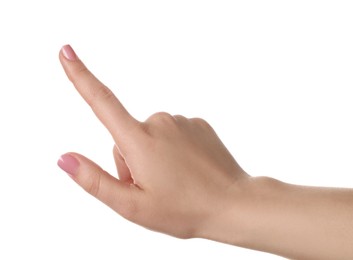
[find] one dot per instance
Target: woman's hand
(175, 175)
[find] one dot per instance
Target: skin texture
(177, 177)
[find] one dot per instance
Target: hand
(175, 175)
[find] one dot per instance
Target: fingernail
(69, 164)
(69, 53)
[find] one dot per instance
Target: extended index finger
(100, 98)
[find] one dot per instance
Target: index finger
(100, 98)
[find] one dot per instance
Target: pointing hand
(175, 175)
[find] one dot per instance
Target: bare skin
(177, 177)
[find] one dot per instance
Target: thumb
(121, 197)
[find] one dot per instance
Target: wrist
(234, 220)
(293, 221)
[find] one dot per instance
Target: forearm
(294, 221)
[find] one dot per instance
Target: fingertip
(69, 164)
(71, 63)
(69, 53)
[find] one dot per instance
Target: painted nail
(69, 164)
(69, 53)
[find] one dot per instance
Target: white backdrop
(274, 78)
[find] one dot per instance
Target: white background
(274, 78)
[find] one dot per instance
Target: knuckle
(201, 122)
(130, 209)
(81, 71)
(76, 74)
(180, 118)
(160, 117)
(101, 95)
(94, 185)
(158, 122)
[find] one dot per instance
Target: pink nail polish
(69, 53)
(69, 164)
